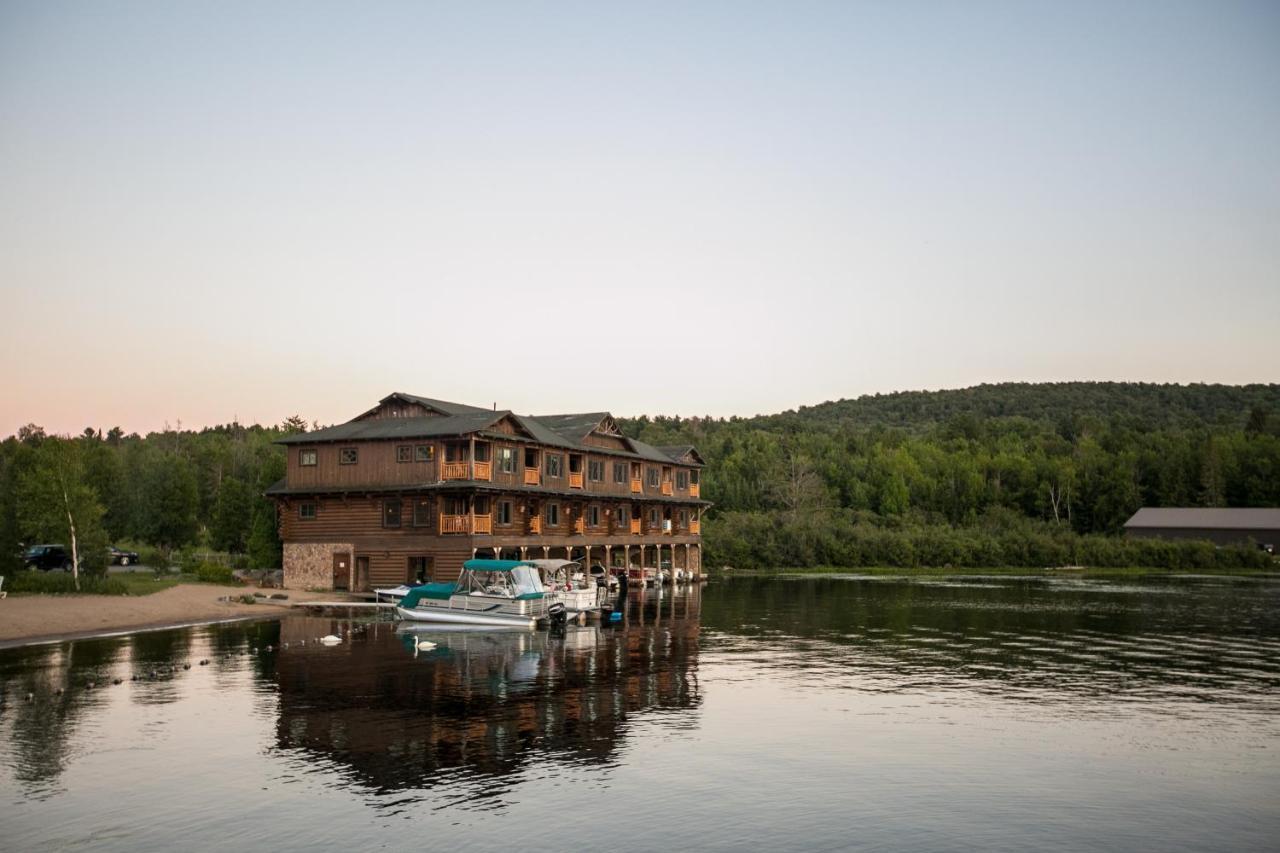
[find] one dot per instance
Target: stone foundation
(309, 565)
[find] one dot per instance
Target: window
(575, 463)
(554, 464)
(682, 479)
(422, 513)
(653, 477)
(593, 515)
(348, 456)
(595, 470)
(507, 460)
(480, 506)
(684, 518)
(424, 452)
(307, 511)
(306, 458)
(504, 512)
(619, 472)
(653, 517)
(391, 512)
(693, 477)
(482, 451)
(404, 453)
(553, 514)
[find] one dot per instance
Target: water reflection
(1031, 639)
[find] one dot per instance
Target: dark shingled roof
(568, 431)
(1240, 518)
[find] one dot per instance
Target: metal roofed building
(1229, 526)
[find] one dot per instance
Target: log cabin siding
(376, 466)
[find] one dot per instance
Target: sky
(230, 210)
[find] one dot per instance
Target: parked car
(47, 557)
(124, 558)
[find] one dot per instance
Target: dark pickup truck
(47, 557)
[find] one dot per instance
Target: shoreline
(1004, 571)
(28, 620)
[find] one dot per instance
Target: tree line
(169, 489)
(959, 477)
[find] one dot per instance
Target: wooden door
(362, 574)
(342, 571)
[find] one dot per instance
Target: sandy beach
(33, 618)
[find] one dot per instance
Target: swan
(426, 645)
(330, 640)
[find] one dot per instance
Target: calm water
(817, 714)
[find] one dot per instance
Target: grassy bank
(61, 583)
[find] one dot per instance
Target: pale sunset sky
(249, 210)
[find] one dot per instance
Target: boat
(488, 592)
(392, 593)
(567, 583)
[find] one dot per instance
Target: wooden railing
(695, 527)
(636, 486)
(575, 480)
(455, 471)
(484, 471)
(694, 492)
(466, 523)
(668, 488)
(532, 476)
(635, 526)
(535, 525)
(455, 523)
(579, 526)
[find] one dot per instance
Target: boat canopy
(494, 565)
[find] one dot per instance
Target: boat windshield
(526, 580)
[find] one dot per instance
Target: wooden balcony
(484, 470)
(532, 476)
(694, 491)
(575, 480)
(579, 525)
(668, 488)
(455, 471)
(636, 486)
(482, 523)
(695, 526)
(535, 525)
(635, 527)
(454, 524)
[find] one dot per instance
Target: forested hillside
(1009, 474)
(945, 476)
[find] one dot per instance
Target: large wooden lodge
(413, 487)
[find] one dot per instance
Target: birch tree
(56, 504)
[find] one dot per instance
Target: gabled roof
(683, 453)
(1240, 518)
(457, 419)
(429, 427)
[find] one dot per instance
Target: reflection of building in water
(489, 702)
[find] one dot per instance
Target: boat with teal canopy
(487, 592)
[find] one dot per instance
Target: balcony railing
(532, 476)
(694, 491)
(455, 471)
(695, 527)
(484, 470)
(579, 526)
(575, 480)
(466, 523)
(668, 488)
(636, 486)
(635, 527)
(535, 525)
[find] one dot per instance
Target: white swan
(330, 640)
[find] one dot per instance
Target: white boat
(569, 584)
(392, 593)
(488, 592)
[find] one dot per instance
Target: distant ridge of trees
(1007, 474)
(1051, 461)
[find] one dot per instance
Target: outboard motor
(557, 614)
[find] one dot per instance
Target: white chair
(3, 594)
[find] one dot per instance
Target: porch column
(524, 552)
(472, 461)
(546, 552)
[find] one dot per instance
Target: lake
(829, 713)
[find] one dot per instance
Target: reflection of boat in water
(569, 584)
(488, 592)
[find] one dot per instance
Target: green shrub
(61, 583)
(212, 573)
